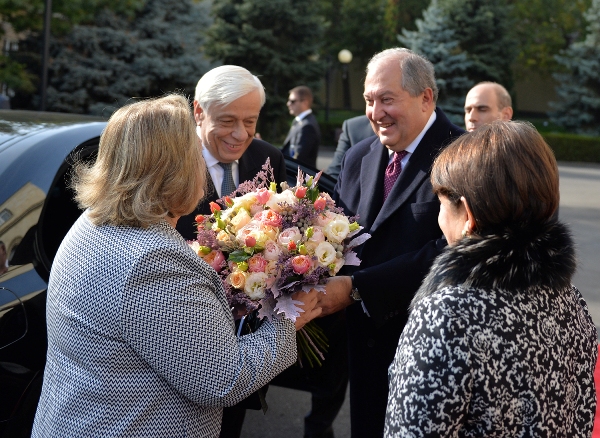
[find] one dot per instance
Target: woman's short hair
(222, 85)
(149, 165)
(505, 171)
(417, 71)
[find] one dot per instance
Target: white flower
(289, 235)
(325, 253)
(255, 285)
(286, 197)
(272, 251)
(337, 230)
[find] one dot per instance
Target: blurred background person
(486, 102)
(141, 339)
(227, 104)
(353, 130)
(499, 342)
(304, 137)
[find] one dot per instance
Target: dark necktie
(227, 186)
(391, 173)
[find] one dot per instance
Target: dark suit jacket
(405, 240)
(306, 138)
(250, 164)
(353, 130)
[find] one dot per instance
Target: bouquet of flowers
(267, 245)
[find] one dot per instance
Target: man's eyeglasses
(292, 101)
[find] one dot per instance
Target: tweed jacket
(305, 136)
(141, 339)
(499, 343)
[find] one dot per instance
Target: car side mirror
(13, 318)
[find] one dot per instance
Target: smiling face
(227, 130)
(396, 116)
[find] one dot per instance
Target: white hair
(222, 85)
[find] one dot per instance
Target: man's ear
(470, 223)
(506, 113)
(198, 113)
(427, 99)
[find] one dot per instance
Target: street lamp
(345, 57)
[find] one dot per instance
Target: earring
(465, 233)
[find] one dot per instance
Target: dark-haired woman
(499, 343)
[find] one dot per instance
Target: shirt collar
(303, 114)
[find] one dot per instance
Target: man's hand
(337, 295)
(310, 306)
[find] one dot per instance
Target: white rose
(271, 251)
(289, 235)
(325, 253)
(286, 197)
(255, 285)
(337, 230)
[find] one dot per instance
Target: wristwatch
(354, 291)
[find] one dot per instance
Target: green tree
(435, 38)
(398, 15)
(20, 71)
(483, 29)
(545, 27)
(578, 107)
(97, 68)
(277, 40)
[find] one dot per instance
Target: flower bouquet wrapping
(267, 245)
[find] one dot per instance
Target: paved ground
(579, 207)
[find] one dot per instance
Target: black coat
(405, 240)
(306, 138)
(499, 342)
(250, 163)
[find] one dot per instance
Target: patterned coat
(141, 341)
(499, 344)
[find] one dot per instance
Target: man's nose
(239, 131)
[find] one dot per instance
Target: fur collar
(537, 256)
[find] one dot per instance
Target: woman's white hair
(222, 85)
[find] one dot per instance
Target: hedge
(572, 147)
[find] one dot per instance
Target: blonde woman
(141, 339)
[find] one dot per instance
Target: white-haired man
(486, 102)
(227, 104)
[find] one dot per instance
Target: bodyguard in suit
(304, 138)
(386, 182)
(353, 130)
(227, 104)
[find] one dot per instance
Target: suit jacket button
(371, 343)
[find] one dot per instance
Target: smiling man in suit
(227, 104)
(304, 138)
(385, 181)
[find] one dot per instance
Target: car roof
(39, 141)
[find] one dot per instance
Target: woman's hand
(309, 300)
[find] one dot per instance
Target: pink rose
(272, 251)
(263, 195)
(250, 241)
(320, 203)
(257, 263)
(301, 192)
(301, 264)
(215, 259)
(289, 235)
(269, 218)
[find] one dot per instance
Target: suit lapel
(371, 183)
(416, 170)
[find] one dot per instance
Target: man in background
(486, 102)
(353, 130)
(304, 138)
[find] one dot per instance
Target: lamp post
(345, 57)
